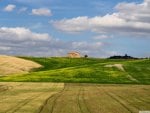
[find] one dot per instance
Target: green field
(86, 70)
(73, 98)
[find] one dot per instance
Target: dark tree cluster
(122, 57)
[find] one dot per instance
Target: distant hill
(12, 65)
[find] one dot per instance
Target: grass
(30, 97)
(85, 70)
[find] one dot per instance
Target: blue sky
(95, 27)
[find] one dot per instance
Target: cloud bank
(22, 41)
(129, 18)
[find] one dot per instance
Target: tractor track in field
(83, 96)
(113, 96)
(46, 103)
(128, 101)
(119, 101)
(7, 89)
(23, 103)
(82, 100)
(79, 103)
(143, 100)
(3, 88)
(54, 102)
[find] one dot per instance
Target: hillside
(90, 70)
(11, 65)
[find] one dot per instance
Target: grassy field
(73, 98)
(82, 70)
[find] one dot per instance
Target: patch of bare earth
(118, 66)
(13, 65)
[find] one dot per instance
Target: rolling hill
(86, 70)
(11, 65)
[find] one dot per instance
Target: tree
(85, 56)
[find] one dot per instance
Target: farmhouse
(74, 55)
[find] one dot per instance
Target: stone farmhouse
(74, 54)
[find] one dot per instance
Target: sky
(98, 28)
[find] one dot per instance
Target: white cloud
(130, 19)
(22, 41)
(9, 7)
(135, 12)
(21, 34)
(42, 12)
(73, 25)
